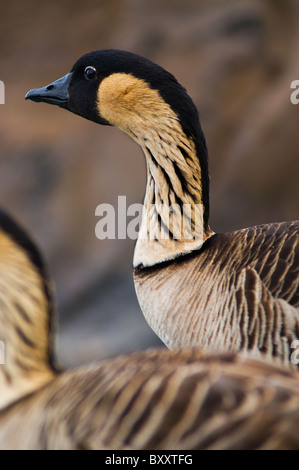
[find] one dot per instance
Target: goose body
(159, 400)
(227, 291)
(155, 399)
(250, 301)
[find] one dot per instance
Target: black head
(78, 90)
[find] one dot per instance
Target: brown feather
(240, 291)
(160, 399)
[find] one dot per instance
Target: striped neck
(160, 116)
(24, 326)
(174, 212)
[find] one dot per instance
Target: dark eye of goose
(90, 73)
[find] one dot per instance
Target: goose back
(160, 399)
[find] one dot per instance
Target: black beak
(55, 93)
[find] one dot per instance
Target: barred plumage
(160, 400)
(228, 297)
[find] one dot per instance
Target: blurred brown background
(236, 59)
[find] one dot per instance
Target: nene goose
(229, 291)
(156, 399)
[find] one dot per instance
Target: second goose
(228, 291)
(156, 399)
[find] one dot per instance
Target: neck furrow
(173, 213)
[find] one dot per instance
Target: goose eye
(90, 73)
